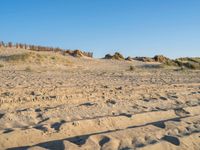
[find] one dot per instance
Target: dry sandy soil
(49, 101)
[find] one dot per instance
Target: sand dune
(50, 101)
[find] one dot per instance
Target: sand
(50, 101)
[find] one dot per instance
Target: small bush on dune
(1, 65)
(77, 53)
(161, 58)
(53, 57)
(132, 68)
(116, 56)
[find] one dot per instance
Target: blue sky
(132, 27)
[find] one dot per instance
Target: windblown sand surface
(49, 101)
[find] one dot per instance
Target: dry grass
(116, 56)
(188, 63)
(36, 58)
(16, 57)
(193, 59)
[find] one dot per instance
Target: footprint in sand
(104, 140)
(163, 98)
(8, 130)
(1, 115)
(150, 139)
(87, 104)
(181, 112)
(111, 102)
(138, 142)
(171, 139)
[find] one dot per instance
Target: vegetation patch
(116, 56)
(16, 57)
(132, 68)
(189, 63)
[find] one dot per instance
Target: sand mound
(161, 58)
(26, 59)
(77, 53)
(116, 56)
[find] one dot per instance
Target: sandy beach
(50, 101)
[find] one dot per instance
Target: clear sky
(132, 27)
